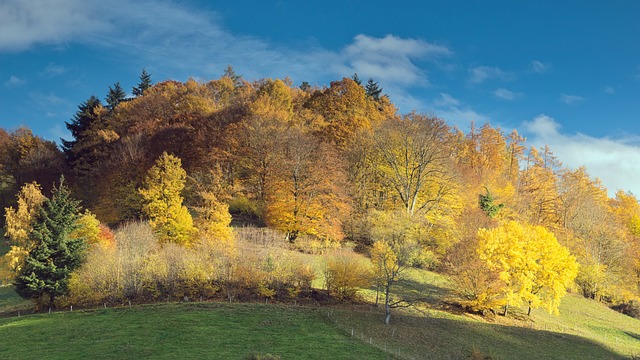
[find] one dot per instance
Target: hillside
(583, 330)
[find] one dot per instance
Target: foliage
(487, 205)
(55, 254)
(534, 268)
(345, 273)
(163, 202)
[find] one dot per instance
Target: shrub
(346, 272)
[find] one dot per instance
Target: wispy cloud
(481, 74)
(609, 90)
(53, 69)
(571, 99)
(446, 100)
(505, 94)
(539, 67)
(14, 81)
(25, 23)
(455, 113)
(613, 160)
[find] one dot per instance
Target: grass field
(180, 331)
(583, 330)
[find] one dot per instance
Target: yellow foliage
(163, 203)
(534, 268)
(345, 273)
(214, 219)
(19, 223)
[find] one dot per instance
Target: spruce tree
(81, 122)
(143, 85)
(373, 90)
(231, 74)
(115, 96)
(356, 79)
(55, 254)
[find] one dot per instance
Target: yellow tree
(414, 160)
(538, 189)
(534, 268)
(214, 219)
(307, 194)
(163, 202)
(19, 225)
(395, 249)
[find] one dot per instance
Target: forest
(156, 196)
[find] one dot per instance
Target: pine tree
(373, 90)
(143, 85)
(356, 79)
(48, 266)
(81, 122)
(115, 96)
(231, 74)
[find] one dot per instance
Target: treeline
(339, 163)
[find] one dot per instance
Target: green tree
(356, 79)
(55, 255)
(115, 96)
(487, 204)
(143, 85)
(373, 89)
(163, 201)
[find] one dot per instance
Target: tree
(534, 268)
(356, 79)
(115, 96)
(413, 156)
(231, 74)
(82, 121)
(143, 85)
(395, 249)
(19, 225)
(373, 90)
(55, 254)
(163, 202)
(214, 219)
(487, 205)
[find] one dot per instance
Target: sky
(563, 73)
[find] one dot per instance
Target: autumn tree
(396, 248)
(162, 197)
(537, 190)
(534, 268)
(55, 254)
(414, 160)
(19, 225)
(307, 193)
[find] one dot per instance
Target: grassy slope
(584, 330)
(186, 331)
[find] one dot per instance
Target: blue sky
(564, 73)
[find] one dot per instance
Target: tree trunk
(387, 306)
(529, 311)
(506, 309)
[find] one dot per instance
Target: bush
(346, 272)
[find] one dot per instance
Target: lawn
(185, 331)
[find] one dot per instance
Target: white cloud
(612, 160)
(25, 23)
(14, 81)
(609, 90)
(446, 100)
(505, 94)
(53, 69)
(571, 99)
(480, 74)
(539, 67)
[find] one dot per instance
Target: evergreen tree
(143, 85)
(231, 74)
(356, 79)
(487, 205)
(55, 254)
(115, 96)
(305, 86)
(81, 122)
(373, 90)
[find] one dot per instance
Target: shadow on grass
(410, 289)
(440, 338)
